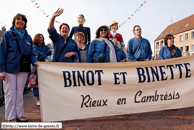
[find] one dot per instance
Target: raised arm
(57, 13)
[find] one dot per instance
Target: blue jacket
(42, 52)
(59, 43)
(9, 53)
(166, 54)
(138, 49)
(121, 54)
(96, 50)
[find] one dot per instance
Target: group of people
(101, 49)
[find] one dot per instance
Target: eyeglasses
(103, 30)
(138, 30)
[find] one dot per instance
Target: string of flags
(42, 10)
(141, 6)
(47, 15)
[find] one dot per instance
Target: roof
(1, 33)
(178, 27)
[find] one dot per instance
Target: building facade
(183, 32)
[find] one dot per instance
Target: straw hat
(103, 26)
(113, 22)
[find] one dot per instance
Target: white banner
(71, 91)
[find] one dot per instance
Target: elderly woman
(42, 51)
(102, 49)
(169, 50)
(80, 39)
(65, 48)
(15, 42)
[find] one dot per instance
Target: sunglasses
(103, 30)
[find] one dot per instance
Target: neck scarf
(112, 52)
(20, 33)
(172, 51)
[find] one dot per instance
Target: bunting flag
(47, 15)
(141, 6)
(42, 10)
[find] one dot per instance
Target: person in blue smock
(65, 48)
(138, 48)
(80, 38)
(10, 67)
(169, 50)
(120, 52)
(97, 47)
(42, 51)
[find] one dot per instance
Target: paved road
(181, 119)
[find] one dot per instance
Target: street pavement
(180, 119)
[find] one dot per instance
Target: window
(192, 35)
(171, 31)
(187, 36)
(157, 45)
(166, 33)
(174, 40)
(181, 38)
(161, 34)
(187, 25)
(161, 44)
(179, 28)
(181, 48)
(187, 48)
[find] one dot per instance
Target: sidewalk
(182, 119)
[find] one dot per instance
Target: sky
(153, 18)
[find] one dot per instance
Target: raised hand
(58, 12)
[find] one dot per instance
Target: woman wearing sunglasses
(102, 49)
